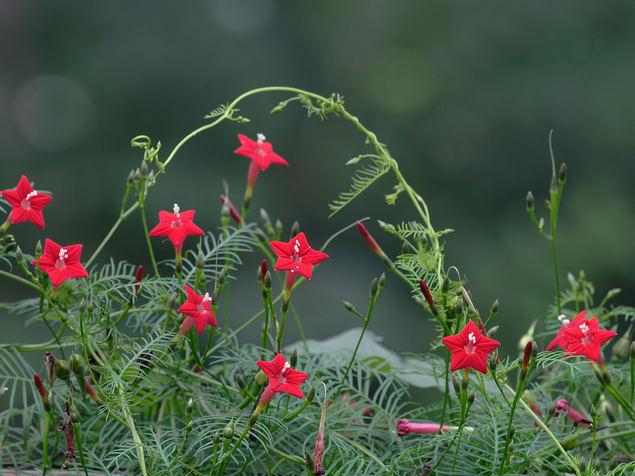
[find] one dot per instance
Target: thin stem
(146, 233)
(133, 430)
(19, 279)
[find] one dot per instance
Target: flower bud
(493, 310)
(382, 281)
(349, 307)
(131, 177)
(527, 354)
(62, 369)
(264, 268)
(279, 229)
(470, 399)
(295, 229)
(40, 388)
(268, 280)
(228, 432)
(530, 201)
(19, 256)
(428, 295)
(456, 384)
(240, 381)
(622, 347)
(137, 175)
(144, 169)
(562, 173)
(374, 285)
(293, 360)
(372, 244)
(264, 216)
(77, 362)
(189, 407)
(171, 304)
(200, 259)
(569, 443)
(91, 392)
(492, 330)
(38, 249)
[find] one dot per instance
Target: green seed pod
(569, 443)
(228, 432)
(349, 307)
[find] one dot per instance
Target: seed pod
(228, 432)
(349, 307)
(40, 388)
(144, 169)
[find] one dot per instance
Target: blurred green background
(464, 94)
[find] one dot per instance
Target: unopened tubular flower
(61, 262)
(575, 416)
(91, 392)
(405, 427)
(42, 391)
(138, 277)
(372, 244)
(470, 348)
(198, 311)
(527, 354)
(318, 452)
(297, 256)
(425, 290)
(282, 379)
(26, 204)
(176, 226)
(233, 211)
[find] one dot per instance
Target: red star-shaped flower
(26, 203)
(61, 262)
(561, 340)
(586, 338)
(297, 256)
(198, 310)
(176, 226)
(259, 151)
(470, 348)
(282, 378)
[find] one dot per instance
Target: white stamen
(563, 319)
(584, 328)
(63, 254)
(296, 247)
(31, 195)
(206, 298)
(177, 210)
(471, 338)
(285, 367)
(261, 138)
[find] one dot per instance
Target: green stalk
(46, 463)
(133, 431)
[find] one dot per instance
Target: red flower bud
(91, 392)
(233, 211)
(138, 277)
(527, 354)
(372, 244)
(264, 267)
(42, 391)
(428, 295)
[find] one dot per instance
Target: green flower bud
(77, 363)
(562, 173)
(622, 347)
(62, 369)
(530, 201)
(295, 229)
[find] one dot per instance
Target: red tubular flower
(260, 152)
(198, 311)
(91, 392)
(586, 338)
(42, 391)
(26, 203)
(233, 211)
(405, 427)
(282, 378)
(176, 226)
(297, 256)
(575, 416)
(561, 340)
(470, 348)
(61, 263)
(318, 450)
(138, 277)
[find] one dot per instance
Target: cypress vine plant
(139, 375)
